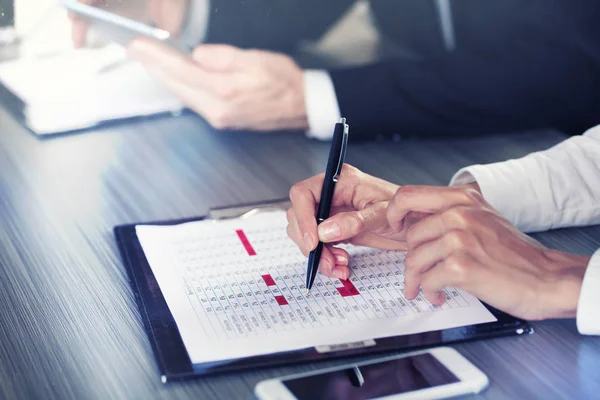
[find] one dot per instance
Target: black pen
(337, 153)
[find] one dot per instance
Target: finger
(459, 270)
(428, 199)
(346, 225)
(296, 234)
(436, 298)
(411, 288)
(335, 266)
(341, 256)
(79, 32)
(413, 217)
(180, 66)
(327, 262)
(342, 259)
(202, 102)
(333, 262)
(452, 220)
(303, 196)
(220, 57)
(418, 261)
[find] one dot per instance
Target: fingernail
(341, 273)
(329, 231)
(341, 260)
(308, 241)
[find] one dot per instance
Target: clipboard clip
(340, 162)
(247, 210)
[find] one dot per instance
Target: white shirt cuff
(500, 183)
(588, 309)
(322, 107)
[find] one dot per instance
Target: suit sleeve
(533, 85)
(271, 25)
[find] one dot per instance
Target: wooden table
(69, 327)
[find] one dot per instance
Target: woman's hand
(358, 216)
(465, 243)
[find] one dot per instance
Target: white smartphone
(432, 374)
(118, 28)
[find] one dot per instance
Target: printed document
(236, 288)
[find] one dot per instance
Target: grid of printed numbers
(238, 293)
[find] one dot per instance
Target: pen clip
(338, 171)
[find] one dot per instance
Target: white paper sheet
(236, 289)
(79, 88)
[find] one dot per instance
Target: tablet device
(119, 28)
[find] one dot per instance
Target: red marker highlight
(268, 280)
(281, 300)
(349, 288)
(245, 242)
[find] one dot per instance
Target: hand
(230, 87)
(466, 243)
(165, 14)
(358, 216)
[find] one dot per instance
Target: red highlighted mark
(281, 300)
(268, 280)
(348, 289)
(245, 242)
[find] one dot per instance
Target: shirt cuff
(196, 23)
(588, 309)
(499, 182)
(322, 107)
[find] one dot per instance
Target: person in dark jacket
(487, 66)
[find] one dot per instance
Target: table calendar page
(236, 288)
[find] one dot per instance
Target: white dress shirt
(551, 189)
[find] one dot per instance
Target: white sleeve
(588, 309)
(322, 107)
(196, 24)
(550, 189)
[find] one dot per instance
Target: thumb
(218, 57)
(346, 225)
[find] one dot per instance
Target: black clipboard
(172, 357)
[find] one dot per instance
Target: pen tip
(307, 292)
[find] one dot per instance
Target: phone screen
(168, 15)
(375, 380)
(123, 20)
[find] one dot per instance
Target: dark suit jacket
(518, 64)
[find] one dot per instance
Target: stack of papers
(81, 88)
